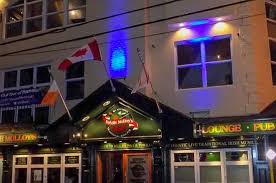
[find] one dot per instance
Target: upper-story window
(16, 79)
(75, 81)
(272, 46)
(28, 16)
(204, 62)
(270, 7)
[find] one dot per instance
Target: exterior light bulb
(270, 154)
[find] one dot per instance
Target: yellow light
(219, 27)
(184, 32)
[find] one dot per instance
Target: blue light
(118, 61)
(199, 39)
(198, 22)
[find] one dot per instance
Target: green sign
(242, 128)
(124, 146)
(120, 121)
(213, 144)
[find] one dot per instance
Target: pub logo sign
(119, 122)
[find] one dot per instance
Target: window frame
(35, 84)
(44, 15)
(203, 63)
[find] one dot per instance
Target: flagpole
(147, 76)
(62, 99)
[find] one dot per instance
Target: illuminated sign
(243, 128)
(119, 122)
(18, 138)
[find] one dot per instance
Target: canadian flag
(89, 51)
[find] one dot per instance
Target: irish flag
(89, 51)
(52, 95)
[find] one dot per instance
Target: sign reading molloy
(241, 128)
(18, 138)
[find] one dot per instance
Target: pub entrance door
(124, 167)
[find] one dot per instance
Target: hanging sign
(242, 128)
(119, 122)
(22, 97)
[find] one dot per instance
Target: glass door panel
(184, 174)
(237, 174)
(71, 175)
(53, 175)
(210, 174)
(21, 175)
(37, 175)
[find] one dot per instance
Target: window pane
(53, 175)
(43, 75)
(219, 74)
(189, 77)
(14, 29)
(26, 77)
(34, 25)
(15, 14)
(188, 53)
(54, 5)
(10, 79)
(8, 116)
(77, 16)
(75, 71)
(41, 115)
(37, 160)
(210, 174)
(75, 90)
(184, 174)
(237, 174)
(34, 9)
(72, 175)
(272, 45)
(237, 156)
(76, 3)
(183, 157)
(217, 50)
(209, 156)
(54, 160)
(21, 175)
(270, 11)
(273, 70)
(55, 20)
(37, 175)
(25, 115)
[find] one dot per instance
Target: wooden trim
(99, 170)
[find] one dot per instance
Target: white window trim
(33, 107)
(45, 165)
(204, 84)
(222, 163)
(44, 15)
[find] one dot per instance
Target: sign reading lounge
(241, 128)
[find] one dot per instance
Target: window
(272, 46)
(37, 77)
(271, 10)
(216, 165)
(75, 81)
(32, 168)
(27, 16)
(204, 62)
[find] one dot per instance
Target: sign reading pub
(119, 122)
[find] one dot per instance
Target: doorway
(124, 167)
